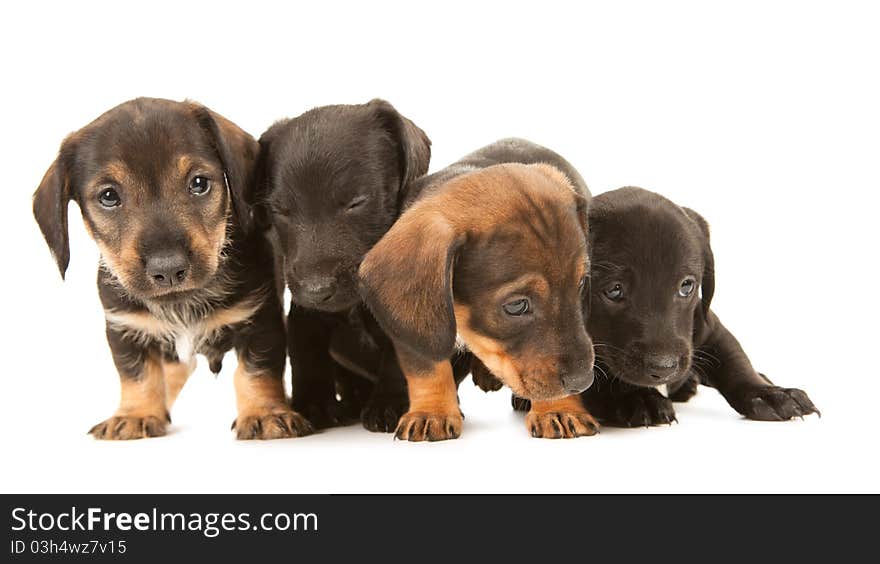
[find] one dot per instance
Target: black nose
(577, 382)
(318, 290)
(660, 366)
(167, 269)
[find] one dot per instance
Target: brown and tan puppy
(492, 253)
(164, 190)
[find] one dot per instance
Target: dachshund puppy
(491, 253)
(333, 181)
(652, 326)
(164, 191)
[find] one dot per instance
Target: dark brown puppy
(164, 191)
(333, 181)
(492, 252)
(652, 327)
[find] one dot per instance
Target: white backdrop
(763, 116)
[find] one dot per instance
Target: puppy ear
(708, 287)
(262, 174)
(414, 147)
(406, 281)
(238, 154)
(50, 209)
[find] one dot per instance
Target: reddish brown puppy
(492, 253)
(164, 190)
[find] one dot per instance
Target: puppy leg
(176, 375)
(685, 390)
(433, 413)
(618, 404)
(483, 378)
(372, 358)
(263, 409)
(142, 408)
(564, 418)
(315, 373)
(750, 393)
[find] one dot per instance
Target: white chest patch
(185, 335)
(663, 389)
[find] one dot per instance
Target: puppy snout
(577, 382)
(318, 290)
(167, 269)
(661, 366)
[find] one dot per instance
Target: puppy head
(498, 258)
(651, 264)
(332, 182)
(157, 183)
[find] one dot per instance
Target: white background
(763, 116)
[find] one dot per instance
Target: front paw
(484, 379)
(422, 426)
(329, 413)
(127, 427)
(561, 425)
(772, 403)
(382, 413)
(644, 409)
(275, 424)
(520, 404)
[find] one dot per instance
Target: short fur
(504, 224)
(333, 181)
(219, 293)
(652, 335)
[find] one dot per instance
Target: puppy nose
(577, 382)
(167, 269)
(661, 366)
(318, 290)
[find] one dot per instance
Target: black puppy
(164, 188)
(652, 327)
(333, 181)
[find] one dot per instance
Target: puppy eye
(517, 307)
(356, 203)
(199, 186)
(687, 287)
(109, 198)
(582, 283)
(614, 292)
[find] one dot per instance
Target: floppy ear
(50, 209)
(406, 281)
(414, 147)
(238, 154)
(262, 174)
(707, 290)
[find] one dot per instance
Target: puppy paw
(329, 413)
(686, 390)
(484, 379)
(772, 403)
(520, 404)
(645, 409)
(276, 424)
(421, 426)
(382, 413)
(126, 427)
(561, 425)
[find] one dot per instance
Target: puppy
(492, 253)
(164, 190)
(333, 181)
(652, 283)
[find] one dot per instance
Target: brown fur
(433, 412)
(564, 418)
(469, 244)
(263, 410)
(143, 409)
